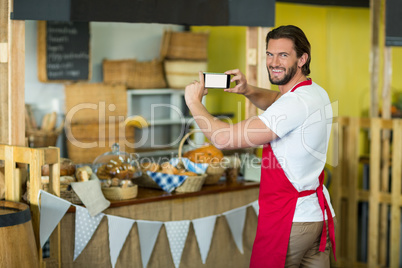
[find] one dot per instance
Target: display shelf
(166, 112)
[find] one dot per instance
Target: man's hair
(300, 42)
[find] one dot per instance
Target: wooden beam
(12, 77)
(375, 15)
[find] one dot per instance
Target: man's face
(281, 61)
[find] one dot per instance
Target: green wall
(226, 51)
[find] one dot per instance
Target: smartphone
(216, 80)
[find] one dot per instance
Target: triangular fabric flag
(177, 234)
(85, 226)
(236, 218)
(119, 229)
(52, 210)
(256, 207)
(204, 229)
(148, 232)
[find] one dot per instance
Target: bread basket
(191, 184)
(119, 193)
(214, 171)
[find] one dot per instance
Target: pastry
(116, 169)
(150, 166)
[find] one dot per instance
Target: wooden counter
(156, 205)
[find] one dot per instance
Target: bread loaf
(67, 168)
(207, 154)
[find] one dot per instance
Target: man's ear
(302, 60)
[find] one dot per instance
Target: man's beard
(288, 76)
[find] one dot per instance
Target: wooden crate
(92, 102)
(377, 143)
(85, 142)
(35, 158)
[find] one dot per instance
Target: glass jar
(116, 164)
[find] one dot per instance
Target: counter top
(147, 195)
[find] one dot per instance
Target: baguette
(52, 121)
(45, 121)
(49, 121)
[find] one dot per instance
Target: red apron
(277, 202)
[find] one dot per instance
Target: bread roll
(67, 179)
(150, 166)
(67, 167)
(83, 173)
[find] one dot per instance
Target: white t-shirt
(302, 120)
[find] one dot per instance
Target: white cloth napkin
(91, 196)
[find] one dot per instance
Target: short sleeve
(286, 114)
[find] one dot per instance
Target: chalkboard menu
(63, 51)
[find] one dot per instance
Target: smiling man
(295, 222)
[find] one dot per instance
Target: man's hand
(195, 91)
(241, 82)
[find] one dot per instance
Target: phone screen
(216, 80)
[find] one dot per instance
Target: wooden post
(374, 199)
(353, 170)
(256, 72)
(385, 150)
(375, 11)
(12, 77)
(336, 193)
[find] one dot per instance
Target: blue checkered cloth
(198, 168)
(167, 182)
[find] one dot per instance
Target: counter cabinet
(154, 205)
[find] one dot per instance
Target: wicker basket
(134, 74)
(66, 192)
(185, 45)
(191, 184)
(180, 73)
(119, 193)
(214, 171)
(41, 138)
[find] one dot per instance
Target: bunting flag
(256, 207)
(85, 226)
(236, 219)
(148, 231)
(204, 229)
(177, 234)
(52, 210)
(119, 229)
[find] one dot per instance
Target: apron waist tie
(324, 208)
